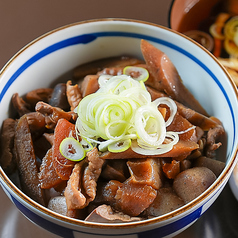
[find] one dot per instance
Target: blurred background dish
(213, 24)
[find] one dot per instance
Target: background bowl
(53, 56)
(195, 17)
(187, 15)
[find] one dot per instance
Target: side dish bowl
(185, 15)
(53, 56)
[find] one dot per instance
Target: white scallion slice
(119, 146)
(71, 149)
(137, 73)
(161, 149)
(172, 106)
(86, 144)
(150, 125)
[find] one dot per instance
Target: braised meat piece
(133, 198)
(165, 77)
(82, 184)
(128, 197)
(8, 161)
(172, 169)
(26, 162)
(89, 85)
(59, 98)
(212, 137)
(109, 191)
(53, 114)
(92, 173)
(20, 105)
(37, 95)
(36, 122)
(135, 194)
(105, 214)
(115, 170)
(146, 171)
(75, 199)
(74, 94)
(47, 175)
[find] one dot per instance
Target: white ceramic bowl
(55, 54)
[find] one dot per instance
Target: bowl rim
(192, 205)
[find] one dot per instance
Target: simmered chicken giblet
(26, 161)
(166, 78)
(21, 106)
(213, 143)
(7, 161)
(59, 98)
(47, 175)
(75, 199)
(82, 184)
(40, 94)
(53, 114)
(74, 95)
(92, 173)
(105, 214)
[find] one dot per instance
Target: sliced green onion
(150, 125)
(137, 73)
(121, 111)
(87, 146)
(163, 148)
(172, 106)
(119, 146)
(71, 149)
